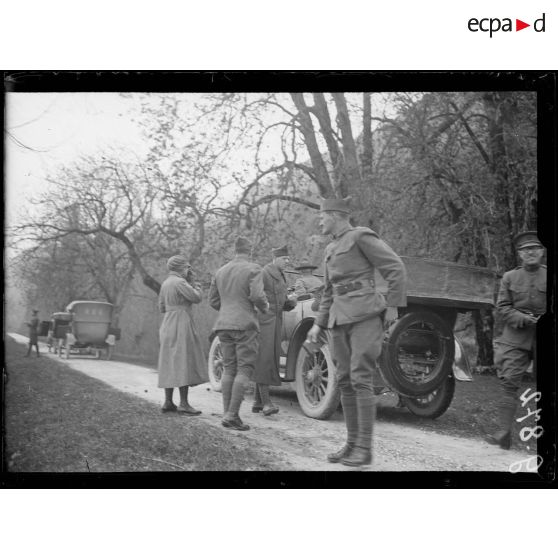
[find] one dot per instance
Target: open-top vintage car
(418, 354)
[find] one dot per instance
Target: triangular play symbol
(519, 25)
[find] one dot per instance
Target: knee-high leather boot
(361, 453)
(506, 414)
(348, 402)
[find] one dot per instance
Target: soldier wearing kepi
(306, 283)
(236, 291)
(521, 301)
(266, 372)
(356, 315)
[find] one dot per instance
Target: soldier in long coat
(237, 292)
(266, 372)
(182, 362)
(521, 301)
(356, 315)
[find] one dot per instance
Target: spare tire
(417, 354)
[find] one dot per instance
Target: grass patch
(59, 420)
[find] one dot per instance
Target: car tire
(417, 354)
(433, 404)
(215, 364)
(316, 383)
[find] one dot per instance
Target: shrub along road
(91, 426)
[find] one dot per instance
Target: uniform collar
(342, 232)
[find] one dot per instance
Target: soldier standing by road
(356, 315)
(236, 291)
(33, 326)
(521, 301)
(266, 372)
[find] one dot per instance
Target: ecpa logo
(492, 25)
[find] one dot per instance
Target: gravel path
(300, 443)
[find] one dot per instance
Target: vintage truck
(417, 360)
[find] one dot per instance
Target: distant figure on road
(266, 372)
(355, 314)
(236, 291)
(182, 362)
(307, 282)
(521, 301)
(33, 326)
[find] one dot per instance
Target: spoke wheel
(215, 364)
(316, 384)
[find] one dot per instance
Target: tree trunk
(322, 177)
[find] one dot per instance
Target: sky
(45, 130)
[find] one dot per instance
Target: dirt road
(298, 443)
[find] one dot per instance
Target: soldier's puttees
(236, 291)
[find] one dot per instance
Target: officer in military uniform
(521, 301)
(236, 291)
(306, 283)
(356, 315)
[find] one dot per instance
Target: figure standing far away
(182, 361)
(236, 291)
(33, 326)
(356, 315)
(306, 283)
(266, 372)
(521, 301)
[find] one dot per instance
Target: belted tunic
(521, 292)
(350, 294)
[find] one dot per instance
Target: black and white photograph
(277, 272)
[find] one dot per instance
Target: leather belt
(344, 288)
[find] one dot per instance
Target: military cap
(242, 245)
(306, 265)
(278, 252)
(336, 204)
(176, 263)
(527, 238)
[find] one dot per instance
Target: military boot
(348, 402)
(361, 453)
(506, 414)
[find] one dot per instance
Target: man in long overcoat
(237, 292)
(266, 372)
(356, 315)
(521, 301)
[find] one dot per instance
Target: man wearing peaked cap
(307, 282)
(521, 301)
(236, 292)
(266, 372)
(356, 314)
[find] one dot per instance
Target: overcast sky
(45, 130)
